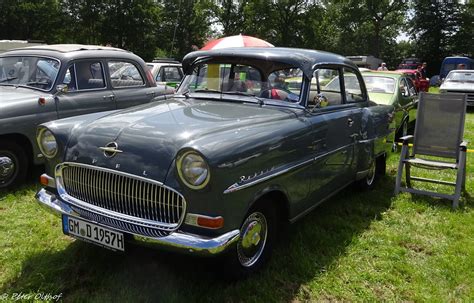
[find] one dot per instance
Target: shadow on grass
(83, 272)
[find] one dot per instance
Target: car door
(336, 120)
(84, 89)
(408, 98)
(128, 82)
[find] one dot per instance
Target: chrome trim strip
(159, 223)
(175, 241)
(236, 186)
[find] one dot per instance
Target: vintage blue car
(219, 168)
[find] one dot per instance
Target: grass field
(358, 246)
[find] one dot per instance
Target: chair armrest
(405, 139)
(463, 146)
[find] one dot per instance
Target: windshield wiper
(8, 79)
(234, 92)
(207, 90)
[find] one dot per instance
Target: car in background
(396, 89)
(166, 71)
(460, 81)
(409, 63)
(225, 164)
(452, 63)
(421, 85)
(47, 82)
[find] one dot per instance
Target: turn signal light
(41, 101)
(204, 221)
(209, 222)
(47, 181)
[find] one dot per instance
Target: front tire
(13, 164)
(376, 169)
(257, 237)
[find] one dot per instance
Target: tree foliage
(174, 27)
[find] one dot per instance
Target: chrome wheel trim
(371, 174)
(405, 128)
(8, 168)
(253, 239)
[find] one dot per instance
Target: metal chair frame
(458, 154)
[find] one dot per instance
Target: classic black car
(48, 82)
(243, 147)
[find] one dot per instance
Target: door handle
(350, 122)
(111, 97)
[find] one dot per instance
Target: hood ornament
(110, 149)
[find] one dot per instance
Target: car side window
(352, 87)
(404, 88)
(325, 88)
(84, 75)
(126, 75)
(169, 74)
(411, 87)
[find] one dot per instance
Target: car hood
(150, 136)
(382, 98)
(465, 86)
(13, 98)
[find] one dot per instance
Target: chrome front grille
(121, 196)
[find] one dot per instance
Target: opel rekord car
(48, 82)
(460, 81)
(221, 167)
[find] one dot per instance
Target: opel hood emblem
(110, 149)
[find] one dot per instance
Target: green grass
(358, 246)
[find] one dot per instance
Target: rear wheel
(257, 237)
(13, 164)
(376, 169)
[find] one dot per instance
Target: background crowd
(172, 28)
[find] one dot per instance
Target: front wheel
(13, 164)
(257, 237)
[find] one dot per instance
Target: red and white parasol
(236, 41)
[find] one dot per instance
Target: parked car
(44, 83)
(409, 63)
(396, 89)
(389, 88)
(420, 83)
(369, 62)
(460, 81)
(452, 63)
(166, 71)
(223, 165)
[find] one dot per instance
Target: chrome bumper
(176, 241)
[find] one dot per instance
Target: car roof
(462, 71)
(72, 51)
(268, 58)
(390, 74)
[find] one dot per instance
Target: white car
(166, 71)
(460, 81)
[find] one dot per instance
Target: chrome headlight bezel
(183, 165)
(46, 134)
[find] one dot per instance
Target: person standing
(382, 67)
(423, 73)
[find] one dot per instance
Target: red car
(421, 84)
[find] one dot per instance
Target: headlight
(47, 143)
(193, 170)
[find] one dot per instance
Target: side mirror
(61, 89)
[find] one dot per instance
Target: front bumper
(176, 241)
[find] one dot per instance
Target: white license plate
(93, 233)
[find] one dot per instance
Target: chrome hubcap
(7, 168)
(405, 129)
(371, 174)
(253, 239)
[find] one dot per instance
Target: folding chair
(438, 132)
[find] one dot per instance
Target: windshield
(36, 72)
(379, 84)
(240, 79)
(459, 76)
